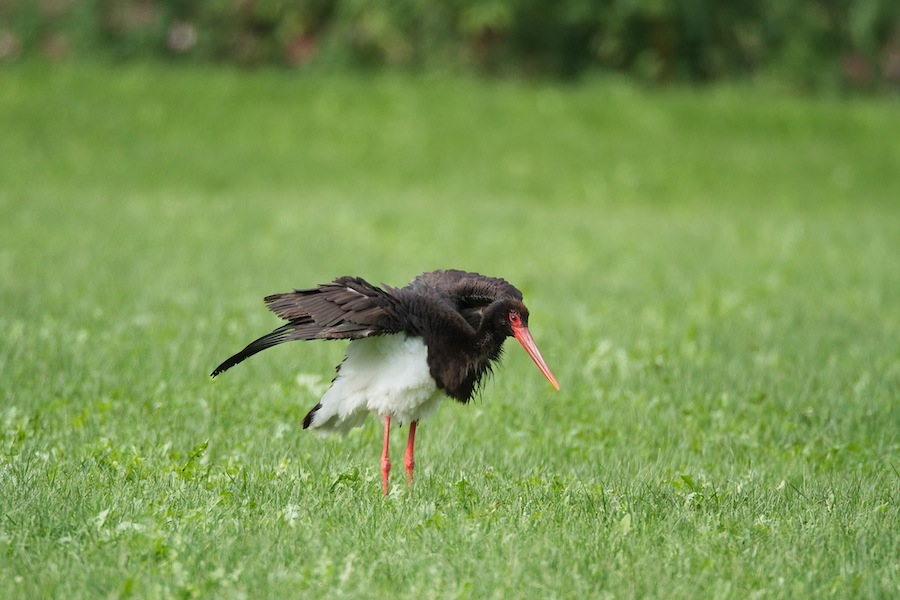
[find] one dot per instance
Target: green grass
(713, 277)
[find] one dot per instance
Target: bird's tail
(280, 335)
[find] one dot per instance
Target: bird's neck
(459, 369)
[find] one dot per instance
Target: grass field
(713, 276)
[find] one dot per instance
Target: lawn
(713, 276)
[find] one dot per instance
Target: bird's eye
(514, 318)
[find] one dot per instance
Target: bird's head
(510, 317)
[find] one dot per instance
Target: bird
(440, 335)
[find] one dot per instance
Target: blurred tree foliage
(813, 43)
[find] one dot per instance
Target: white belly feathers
(381, 375)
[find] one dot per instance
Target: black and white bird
(440, 335)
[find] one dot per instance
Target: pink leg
(385, 461)
(410, 463)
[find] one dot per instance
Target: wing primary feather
(280, 335)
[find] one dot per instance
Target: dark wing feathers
(347, 308)
(278, 336)
(352, 308)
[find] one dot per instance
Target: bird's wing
(347, 308)
(469, 293)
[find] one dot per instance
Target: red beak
(522, 334)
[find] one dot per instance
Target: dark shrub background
(809, 44)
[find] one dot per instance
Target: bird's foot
(408, 458)
(385, 461)
(385, 473)
(410, 465)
